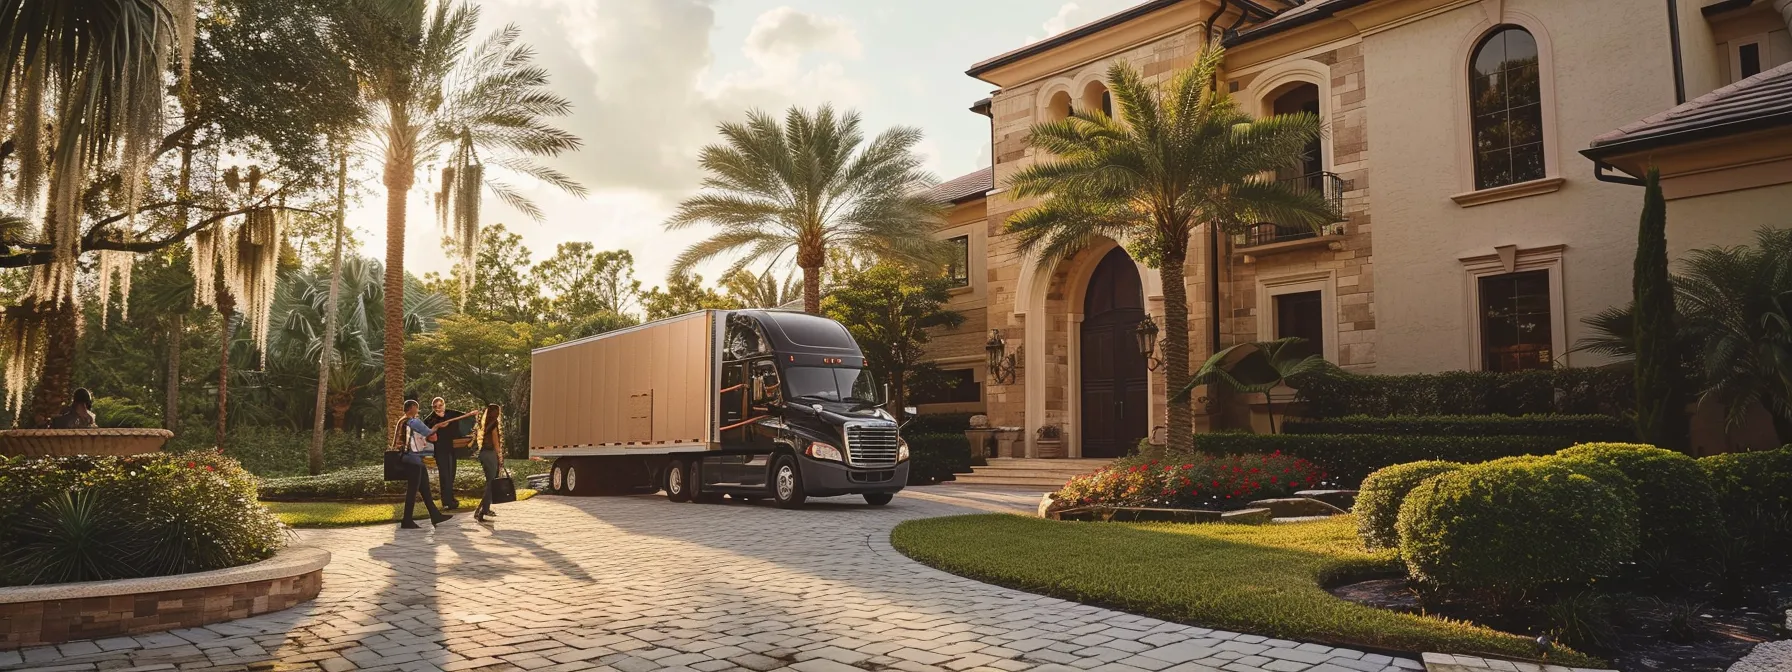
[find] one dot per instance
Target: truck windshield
(829, 384)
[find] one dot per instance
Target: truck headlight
(822, 451)
(901, 450)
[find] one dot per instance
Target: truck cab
(800, 416)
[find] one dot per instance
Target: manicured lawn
(1262, 580)
(346, 514)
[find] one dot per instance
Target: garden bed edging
(57, 613)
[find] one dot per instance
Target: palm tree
(1181, 155)
(760, 290)
(1737, 303)
(806, 185)
(432, 95)
(1257, 368)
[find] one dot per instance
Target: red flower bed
(1193, 482)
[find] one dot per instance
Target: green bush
(272, 452)
(1378, 505)
(1334, 393)
(1586, 428)
(1754, 491)
(1348, 458)
(369, 482)
(99, 518)
(937, 423)
(936, 457)
(1191, 482)
(1506, 527)
(1678, 509)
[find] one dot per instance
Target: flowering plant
(1192, 482)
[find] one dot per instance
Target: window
(958, 266)
(1506, 101)
(958, 386)
(1302, 315)
(1516, 325)
(1748, 59)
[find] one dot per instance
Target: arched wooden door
(1115, 411)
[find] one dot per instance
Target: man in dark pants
(444, 444)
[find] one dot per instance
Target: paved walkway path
(635, 584)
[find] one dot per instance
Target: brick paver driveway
(638, 583)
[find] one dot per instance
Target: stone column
(1785, 7)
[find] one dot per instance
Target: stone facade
(1391, 81)
(24, 624)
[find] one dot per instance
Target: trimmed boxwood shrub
(1191, 482)
(1348, 458)
(100, 518)
(1509, 526)
(369, 482)
(1333, 393)
(1677, 507)
(1587, 428)
(1754, 491)
(936, 457)
(1378, 505)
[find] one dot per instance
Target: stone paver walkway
(635, 584)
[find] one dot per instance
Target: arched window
(1506, 101)
(1057, 108)
(1097, 97)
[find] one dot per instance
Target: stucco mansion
(1484, 154)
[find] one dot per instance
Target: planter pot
(1051, 448)
(65, 442)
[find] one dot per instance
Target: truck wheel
(696, 487)
(878, 498)
(787, 483)
(678, 484)
(569, 483)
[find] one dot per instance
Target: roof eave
(1622, 147)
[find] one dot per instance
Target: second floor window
(1506, 100)
(958, 268)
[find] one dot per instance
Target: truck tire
(878, 498)
(787, 483)
(678, 483)
(557, 479)
(697, 493)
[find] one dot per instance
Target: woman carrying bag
(417, 446)
(498, 489)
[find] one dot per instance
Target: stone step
(1040, 484)
(1029, 473)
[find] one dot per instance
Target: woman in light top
(491, 453)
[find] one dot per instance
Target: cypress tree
(1661, 418)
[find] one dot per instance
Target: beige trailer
(645, 390)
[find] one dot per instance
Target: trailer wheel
(787, 483)
(557, 479)
(878, 498)
(570, 484)
(677, 481)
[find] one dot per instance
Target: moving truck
(746, 403)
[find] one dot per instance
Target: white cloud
(646, 97)
(1060, 22)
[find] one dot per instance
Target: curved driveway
(638, 583)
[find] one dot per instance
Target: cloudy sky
(650, 79)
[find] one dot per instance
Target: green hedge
(271, 452)
(1377, 507)
(937, 423)
(1754, 491)
(1504, 528)
(1349, 458)
(936, 457)
(1580, 428)
(1679, 516)
(369, 482)
(101, 518)
(1334, 394)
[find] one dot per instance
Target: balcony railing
(1327, 184)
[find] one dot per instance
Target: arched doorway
(1115, 406)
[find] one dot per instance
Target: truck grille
(871, 446)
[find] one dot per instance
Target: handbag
(396, 469)
(503, 488)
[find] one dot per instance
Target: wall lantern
(1146, 333)
(1002, 364)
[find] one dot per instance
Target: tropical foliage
(1180, 156)
(810, 185)
(890, 310)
